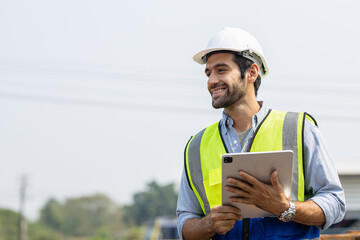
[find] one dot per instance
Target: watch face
(289, 216)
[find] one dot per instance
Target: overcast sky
(102, 96)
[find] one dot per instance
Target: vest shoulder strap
(203, 165)
(285, 131)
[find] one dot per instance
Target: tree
(52, 215)
(155, 201)
(84, 215)
(102, 233)
(9, 224)
(39, 231)
(9, 228)
(81, 216)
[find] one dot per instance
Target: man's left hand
(270, 198)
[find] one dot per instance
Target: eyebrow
(218, 65)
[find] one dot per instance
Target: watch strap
(288, 214)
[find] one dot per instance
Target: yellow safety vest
(278, 131)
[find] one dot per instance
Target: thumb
(275, 180)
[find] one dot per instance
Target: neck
(242, 113)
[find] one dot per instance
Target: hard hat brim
(200, 55)
(199, 58)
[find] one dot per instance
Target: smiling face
(224, 80)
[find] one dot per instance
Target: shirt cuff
(182, 218)
(333, 210)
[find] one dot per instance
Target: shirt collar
(256, 119)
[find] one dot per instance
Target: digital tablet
(259, 165)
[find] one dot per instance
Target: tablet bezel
(259, 165)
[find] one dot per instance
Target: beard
(230, 96)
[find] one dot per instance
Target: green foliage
(9, 224)
(155, 201)
(9, 228)
(38, 231)
(81, 216)
(102, 233)
(94, 217)
(135, 232)
(52, 214)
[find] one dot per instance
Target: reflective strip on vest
(206, 184)
(212, 174)
(278, 131)
(194, 170)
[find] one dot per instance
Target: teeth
(220, 90)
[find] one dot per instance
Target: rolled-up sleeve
(187, 205)
(322, 182)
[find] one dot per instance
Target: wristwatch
(289, 214)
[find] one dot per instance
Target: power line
(174, 78)
(140, 76)
(171, 81)
(349, 93)
(151, 108)
(128, 106)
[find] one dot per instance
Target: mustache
(218, 85)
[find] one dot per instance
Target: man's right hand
(223, 218)
(220, 221)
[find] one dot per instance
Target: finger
(240, 184)
(239, 192)
(252, 180)
(226, 209)
(224, 226)
(225, 216)
(275, 180)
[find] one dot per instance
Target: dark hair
(244, 65)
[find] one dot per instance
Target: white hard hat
(235, 40)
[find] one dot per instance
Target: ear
(253, 73)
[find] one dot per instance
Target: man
(235, 65)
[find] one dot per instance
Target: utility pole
(22, 223)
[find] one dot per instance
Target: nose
(212, 80)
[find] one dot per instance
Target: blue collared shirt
(321, 180)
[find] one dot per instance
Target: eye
(221, 70)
